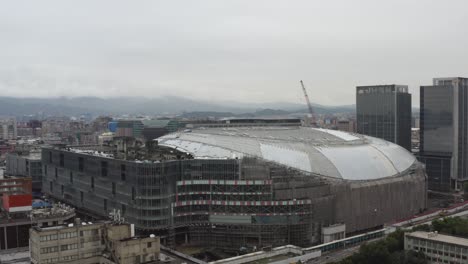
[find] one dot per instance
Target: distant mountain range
(63, 106)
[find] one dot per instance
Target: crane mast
(311, 110)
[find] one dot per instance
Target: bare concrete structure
(89, 243)
(14, 227)
(333, 232)
(244, 187)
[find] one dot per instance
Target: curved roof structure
(324, 152)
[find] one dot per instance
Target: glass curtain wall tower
(384, 111)
(444, 109)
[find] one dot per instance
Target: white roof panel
(359, 162)
(289, 157)
(340, 134)
(320, 151)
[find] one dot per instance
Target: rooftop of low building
(434, 236)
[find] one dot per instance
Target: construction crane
(311, 110)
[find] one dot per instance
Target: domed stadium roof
(328, 153)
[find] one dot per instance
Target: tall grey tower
(384, 111)
(444, 132)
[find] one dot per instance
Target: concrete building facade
(438, 248)
(29, 165)
(90, 243)
(8, 129)
(346, 125)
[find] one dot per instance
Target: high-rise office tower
(444, 142)
(384, 111)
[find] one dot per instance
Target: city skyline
(237, 51)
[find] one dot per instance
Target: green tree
(414, 257)
(455, 226)
(386, 251)
(425, 227)
(395, 241)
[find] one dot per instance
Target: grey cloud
(253, 51)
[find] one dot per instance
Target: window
(148, 245)
(104, 168)
(124, 209)
(133, 193)
(81, 197)
(72, 257)
(62, 160)
(45, 170)
(92, 183)
(62, 189)
(80, 164)
(49, 237)
(51, 187)
(123, 172)
(56, 173)
(47, 250)
(68, 247)
(105, 204)
(113, 188)
(71, 177)
(50, 156)
(68, 235)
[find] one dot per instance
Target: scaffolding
(228, 211)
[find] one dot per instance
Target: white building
(8, 129)
(89, 243)
(438, 248)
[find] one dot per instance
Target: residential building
(28, 165)
(346, 125)
(100, 124)
(17, 214)
(31, 128)
(105, 137)
(384, 111)
(5, 147)
(12, 185)
(129, 128)
(14, 226)
(444, 132)
(8, 129)
(438, 248)
(88, 243)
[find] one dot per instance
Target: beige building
(92, 243)
(333, 232)
(438, 248)
(346, 125)
(8, 129)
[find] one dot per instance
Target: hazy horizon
(240, 51)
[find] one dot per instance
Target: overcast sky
(252, 51)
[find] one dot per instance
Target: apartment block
(438, 248)
(90, 243)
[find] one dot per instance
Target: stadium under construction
(239, 187)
